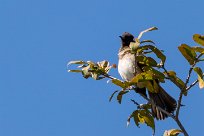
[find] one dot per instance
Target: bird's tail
(164, 101)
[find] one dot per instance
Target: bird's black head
(126, 38)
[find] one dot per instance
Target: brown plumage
(128, 67)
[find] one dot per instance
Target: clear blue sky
(37, 39)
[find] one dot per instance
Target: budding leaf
(199, 39)
(188, 53)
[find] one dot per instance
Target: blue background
(37, 39)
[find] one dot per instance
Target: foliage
(152, 71)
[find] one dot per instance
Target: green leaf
(118, 83)
(200, 77)
(177, 81)
(198, 71)
(112, 96)
(188, 53)
(120, 96)
(198, 49)
(134, 115)
(147, 30)
(199, 39)
(172, 132)
(76, 62)
(75, 71)
(158, 52)
(146, 60)
(143, 80)
(144, 76)
(141, 117)
(155, 73)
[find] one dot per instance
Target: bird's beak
(121, 37)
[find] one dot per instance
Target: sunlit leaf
(200, 77)
(172, 132)
(155, 73)
(145, 76)
(134, 115)
(147, 30)
(112, 95)
(118, 83)
(199, 39)
(188, 53)
(177, 81)
(120, 96)
(158, 52)
(201, 83)
(198, 71)
(198, 49)
(141, 117)
(76, 62)
(146, 60)
(75, 71)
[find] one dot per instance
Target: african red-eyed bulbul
(128, 68)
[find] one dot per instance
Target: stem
(181, 126)
(194, 83)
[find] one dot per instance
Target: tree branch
(194, 83)
(185, 86)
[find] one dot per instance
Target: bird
(128, 67)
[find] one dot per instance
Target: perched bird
(128, 68)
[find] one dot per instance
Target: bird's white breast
(126, 67)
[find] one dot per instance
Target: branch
(108, 76)
(185, 86)
(194, 83)
(183, 90)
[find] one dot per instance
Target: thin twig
(183, 90)
(108, 76)
(194, 83)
